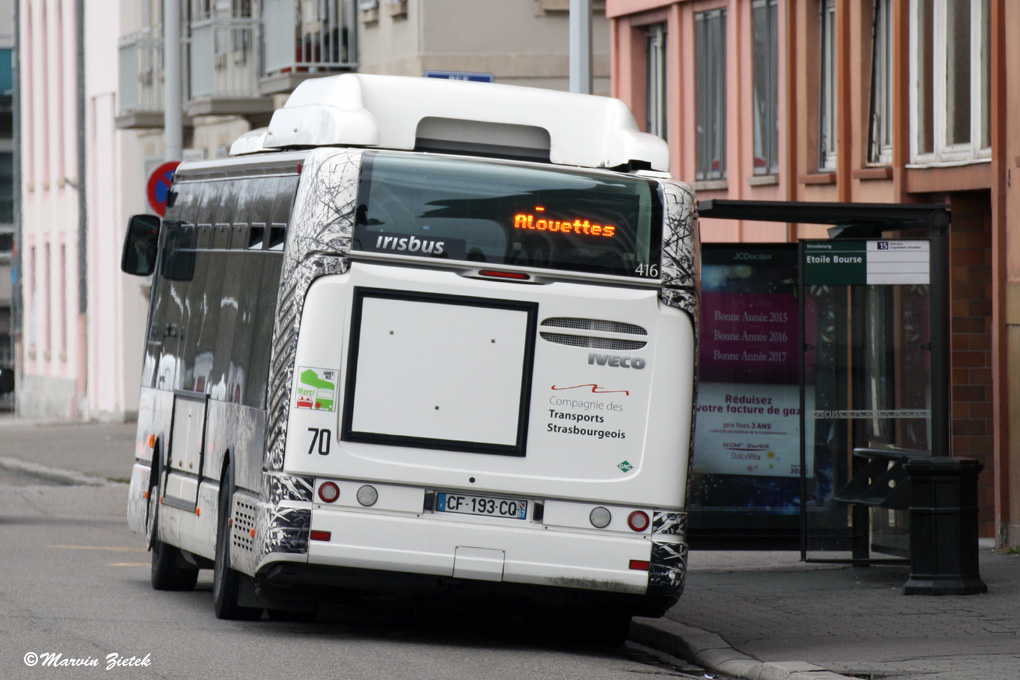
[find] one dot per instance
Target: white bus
(422, 336)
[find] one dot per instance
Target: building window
(880, 129)
(47, 302)
(950, 74)
(765, 34)
(827, 107)
(710, 93)
(6, 187)
(656, 111)
(62, 306)
(32, 294)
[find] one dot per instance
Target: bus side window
(274, 209)
(205, 328)
(178, 252)
(202, 296)
(279, 195)
(227, 374)
(249, 271)
(262, 338)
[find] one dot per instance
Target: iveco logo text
(615, 360)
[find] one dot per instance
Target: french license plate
(481, 505)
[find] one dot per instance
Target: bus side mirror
(140, 245)
(6, 380)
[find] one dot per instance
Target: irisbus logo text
(410, 244)
(615, 360)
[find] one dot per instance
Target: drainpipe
(83, 232)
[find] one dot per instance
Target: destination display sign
(578, 226)
(866, 262)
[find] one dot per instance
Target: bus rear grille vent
(594, 333)
(597, 325)
(244, 522)
(593, 343)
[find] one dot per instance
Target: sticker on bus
(316, 389)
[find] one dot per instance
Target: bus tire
(165, 572)
(226, 581)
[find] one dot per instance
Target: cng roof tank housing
(429, 114)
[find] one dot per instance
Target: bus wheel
(226, 581)
(166, 572)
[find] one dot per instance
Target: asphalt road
(74, 588)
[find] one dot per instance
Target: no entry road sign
(158, 187)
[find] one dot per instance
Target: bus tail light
(638, 520)
(639, 565)
(329, 492)
(319, 535)
(497, 274)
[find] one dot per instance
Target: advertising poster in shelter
(747, 441)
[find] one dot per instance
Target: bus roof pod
(411, 113)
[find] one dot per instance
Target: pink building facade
(78, 342)
(884, 101)
(732, 168)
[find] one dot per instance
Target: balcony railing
(323, 40)
(223, 68)
(141, 81)
(235, 54)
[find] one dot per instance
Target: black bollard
(943, 527)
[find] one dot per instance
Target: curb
(712, 653)
(56, 475)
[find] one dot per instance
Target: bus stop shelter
(818, 359)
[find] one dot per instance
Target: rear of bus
(486, 371)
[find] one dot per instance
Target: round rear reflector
(600, 517)
(638, 520)
(329, 492)
(367, 496)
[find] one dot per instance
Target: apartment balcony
(222, 68)
(141, 82)
(321, 39)
(234, 56)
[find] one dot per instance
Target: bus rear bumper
(527, 554)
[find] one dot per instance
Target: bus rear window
(508, 214)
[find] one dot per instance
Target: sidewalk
(754, 615)
(65, 450)
(768, 615)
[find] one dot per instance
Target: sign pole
(941, 398)
(172, 124)
(580, 46)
